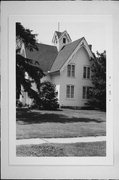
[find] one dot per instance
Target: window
(86, 72)
(86, 92)
(64, 40)
(71, 70)
(70, 91)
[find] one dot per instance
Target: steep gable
(67, 51)
(50, 60)
(64, 54)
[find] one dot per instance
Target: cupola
(60, 39)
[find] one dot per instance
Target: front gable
(83, 44)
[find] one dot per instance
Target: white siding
(80, 59)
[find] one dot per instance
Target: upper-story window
(71, 70)
(86, 72)
(64, 40)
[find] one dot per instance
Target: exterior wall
(80, 59)
(24, 98)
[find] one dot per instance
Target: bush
(98, 92)
(48, 96)
(19, 104)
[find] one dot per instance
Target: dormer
(60, 39)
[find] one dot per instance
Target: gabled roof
(58, 33)
(50, 59)
(64, 54)
(45, 55)
(68, 36)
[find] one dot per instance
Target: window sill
(86, 78)
(71, 77)
(70, 99)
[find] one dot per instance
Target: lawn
(64, 123)
(77, 149)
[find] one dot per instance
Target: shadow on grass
(28, 117)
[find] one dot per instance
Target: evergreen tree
(26, 66)
(48, 96)
(98, 92)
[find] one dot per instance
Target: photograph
(59, 84)
(60, 87)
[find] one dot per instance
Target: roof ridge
(60, 52)
(46, 44)
(72, 42)
(73, 50)
(58, 31)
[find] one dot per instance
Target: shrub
(19, 104)
(48, 96)
(98, 92)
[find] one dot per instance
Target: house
(67, 65)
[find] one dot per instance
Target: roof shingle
(45, 55)
(58, 34)
(64, 54)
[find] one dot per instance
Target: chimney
(90, 46)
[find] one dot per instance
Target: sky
(94, 32)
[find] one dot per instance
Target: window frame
(64, 39)
(70, 92)
(71, 70)
(85, 92)
(86, 72)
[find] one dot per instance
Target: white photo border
(10, 169)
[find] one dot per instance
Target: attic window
(82, 44)
(64, 40)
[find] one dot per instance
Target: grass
(77, 149)
(65, 123)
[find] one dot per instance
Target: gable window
(86, 72)
(71, 70)
(86, 92)
(64, 40)
(70, 91)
